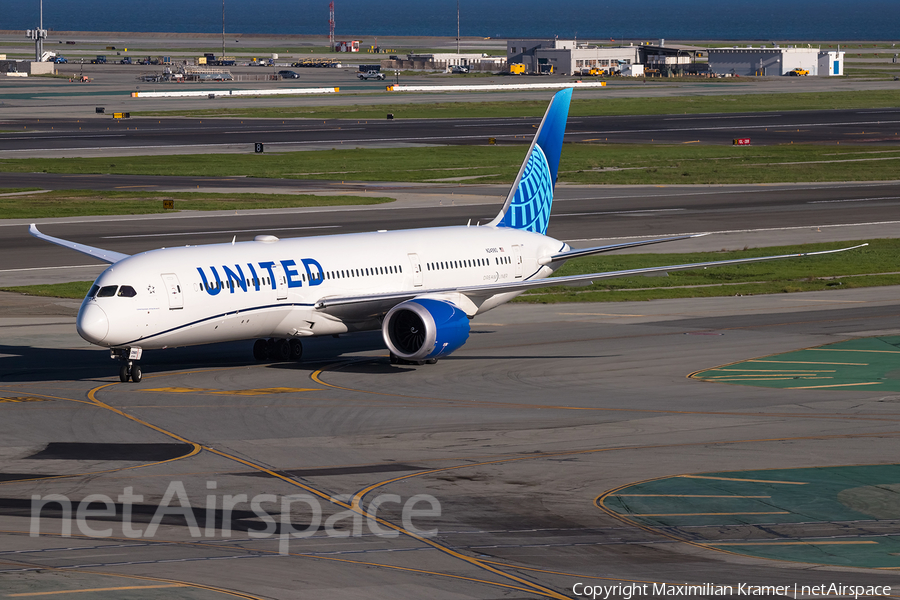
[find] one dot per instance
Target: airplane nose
(92, 324)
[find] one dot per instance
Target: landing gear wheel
(136, 373)
(123, 373)
(296, 349)
(282, 350)
(396, 360)
(260, 349)
(431, 361)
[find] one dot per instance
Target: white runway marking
(632, 237)
(50, 268)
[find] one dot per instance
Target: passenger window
(126, 291)
(107, 291)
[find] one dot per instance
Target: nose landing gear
(130, 369)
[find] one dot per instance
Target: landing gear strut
(396, 360)
(130, 368)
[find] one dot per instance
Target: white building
(567, 57)
(450, 59)
(831, 62)
(762, 61)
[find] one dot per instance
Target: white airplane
(419, 286)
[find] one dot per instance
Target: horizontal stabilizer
(99, 253)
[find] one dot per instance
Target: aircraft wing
(482, 291)
(601, 249)
(105, 255)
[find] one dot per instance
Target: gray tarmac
(544, 409)
(75, 137)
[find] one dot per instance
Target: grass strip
(580, 107)
(872, 266)
(72, 289)
(589, 163)
(73, 203)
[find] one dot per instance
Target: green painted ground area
(847, 516)
(865, 363)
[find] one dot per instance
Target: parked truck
(210, 59)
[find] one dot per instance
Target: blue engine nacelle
(423, 328)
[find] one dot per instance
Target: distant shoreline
(323, 39)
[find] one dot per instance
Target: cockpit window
(93, 292)
(126, 291)
(107, 290)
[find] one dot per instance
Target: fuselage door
(281, 287)
(416, 269)
(173, 291)
(517, 259)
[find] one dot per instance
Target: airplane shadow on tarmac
(26, 363)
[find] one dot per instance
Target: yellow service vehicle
(517, 69)
(798, 72)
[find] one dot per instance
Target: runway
(514, 436)
(51, 138)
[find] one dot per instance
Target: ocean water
(597, 20)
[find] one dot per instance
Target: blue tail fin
(527, 206)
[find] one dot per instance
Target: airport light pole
(457, 26)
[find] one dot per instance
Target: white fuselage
(222, 292)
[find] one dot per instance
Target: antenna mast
(223, 30)
(331, 24)
(38, 35)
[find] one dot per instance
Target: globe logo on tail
(530, 207)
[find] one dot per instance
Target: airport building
(443, 61)
(568, 57)
(774, 61)
(23, 68)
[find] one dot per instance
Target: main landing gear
(277, 349)
(130, 368)
(396, 360)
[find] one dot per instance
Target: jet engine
(425, 329)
